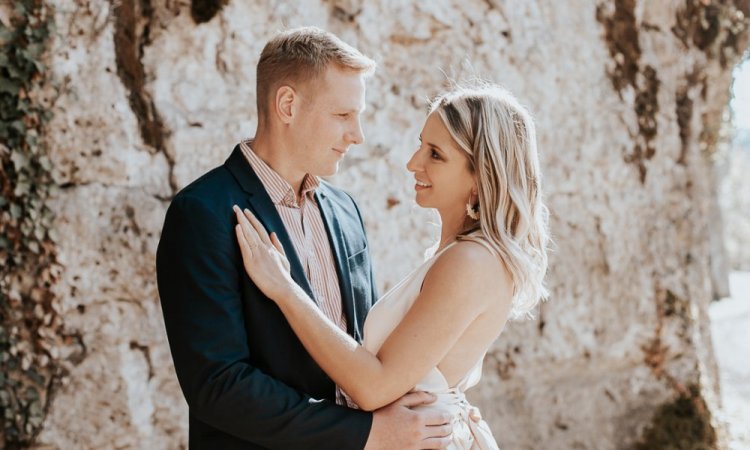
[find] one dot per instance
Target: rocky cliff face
(147, 95)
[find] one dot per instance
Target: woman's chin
(421, 202)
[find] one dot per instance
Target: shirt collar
(278, 188)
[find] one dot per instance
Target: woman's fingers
(248, 231)
(280, 249)
(244, 246)
(254, 233)
(262, 234)
(276, 243)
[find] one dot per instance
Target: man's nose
(355, 136)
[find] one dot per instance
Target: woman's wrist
(292, 294)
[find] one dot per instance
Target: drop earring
(472, 210)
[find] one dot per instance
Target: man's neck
(276, 157)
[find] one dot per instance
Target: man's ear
(285, 104)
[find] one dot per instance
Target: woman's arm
(460, 286)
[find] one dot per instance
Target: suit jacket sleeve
(199, 276)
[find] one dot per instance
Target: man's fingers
(439, 431)
(413, 399)
(439, 442)
(435, 419)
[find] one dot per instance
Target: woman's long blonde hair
(498, 135)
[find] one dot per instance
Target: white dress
(470, 432)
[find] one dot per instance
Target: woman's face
(441, 170)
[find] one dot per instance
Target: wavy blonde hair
(498, 135)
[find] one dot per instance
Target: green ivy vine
(31, 333)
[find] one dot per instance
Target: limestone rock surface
(626, 97)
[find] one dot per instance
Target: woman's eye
(434, 154)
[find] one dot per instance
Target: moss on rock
(682, 424)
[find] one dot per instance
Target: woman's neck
(453, 223)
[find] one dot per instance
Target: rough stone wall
(148, 94)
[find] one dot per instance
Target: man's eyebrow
(354, 110)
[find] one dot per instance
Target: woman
(477, 165)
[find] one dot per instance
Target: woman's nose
(413, 164)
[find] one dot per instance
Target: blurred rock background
(109, 108)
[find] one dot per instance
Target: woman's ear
(285, 103)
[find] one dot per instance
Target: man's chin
(328, 171)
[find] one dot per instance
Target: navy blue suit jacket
(247, 379)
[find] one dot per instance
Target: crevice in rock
(345, 11)
(204, 10)
(656, 352)
(144, 349)
(133, 19)
(621, 34)
(684, 109)
(719, 29)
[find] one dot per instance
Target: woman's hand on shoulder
(263, 257)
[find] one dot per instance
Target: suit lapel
(261, 205)
(336, 239)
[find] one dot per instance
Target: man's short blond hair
(300, 55)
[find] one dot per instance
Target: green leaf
(6, 34)
(9, 86)
(20, 160)
(15, 211)
(22, 189)
(18, 126)
(45, 162)
(15, 72)
(34, 50)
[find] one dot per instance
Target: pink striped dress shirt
(307, 232)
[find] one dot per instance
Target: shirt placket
(310, 266)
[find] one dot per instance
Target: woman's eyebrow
(432, 145)
(435, 147)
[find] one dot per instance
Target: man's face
(328, 120)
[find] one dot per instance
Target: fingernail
(236, 208)
(247, 211)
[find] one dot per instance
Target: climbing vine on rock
(32, 339)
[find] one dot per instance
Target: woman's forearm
(358, 372)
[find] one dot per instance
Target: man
(247, 379)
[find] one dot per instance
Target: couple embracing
(277, 333)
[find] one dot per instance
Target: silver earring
(472, 211)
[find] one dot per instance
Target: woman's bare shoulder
(474, 268)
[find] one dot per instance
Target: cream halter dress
(470, 432)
